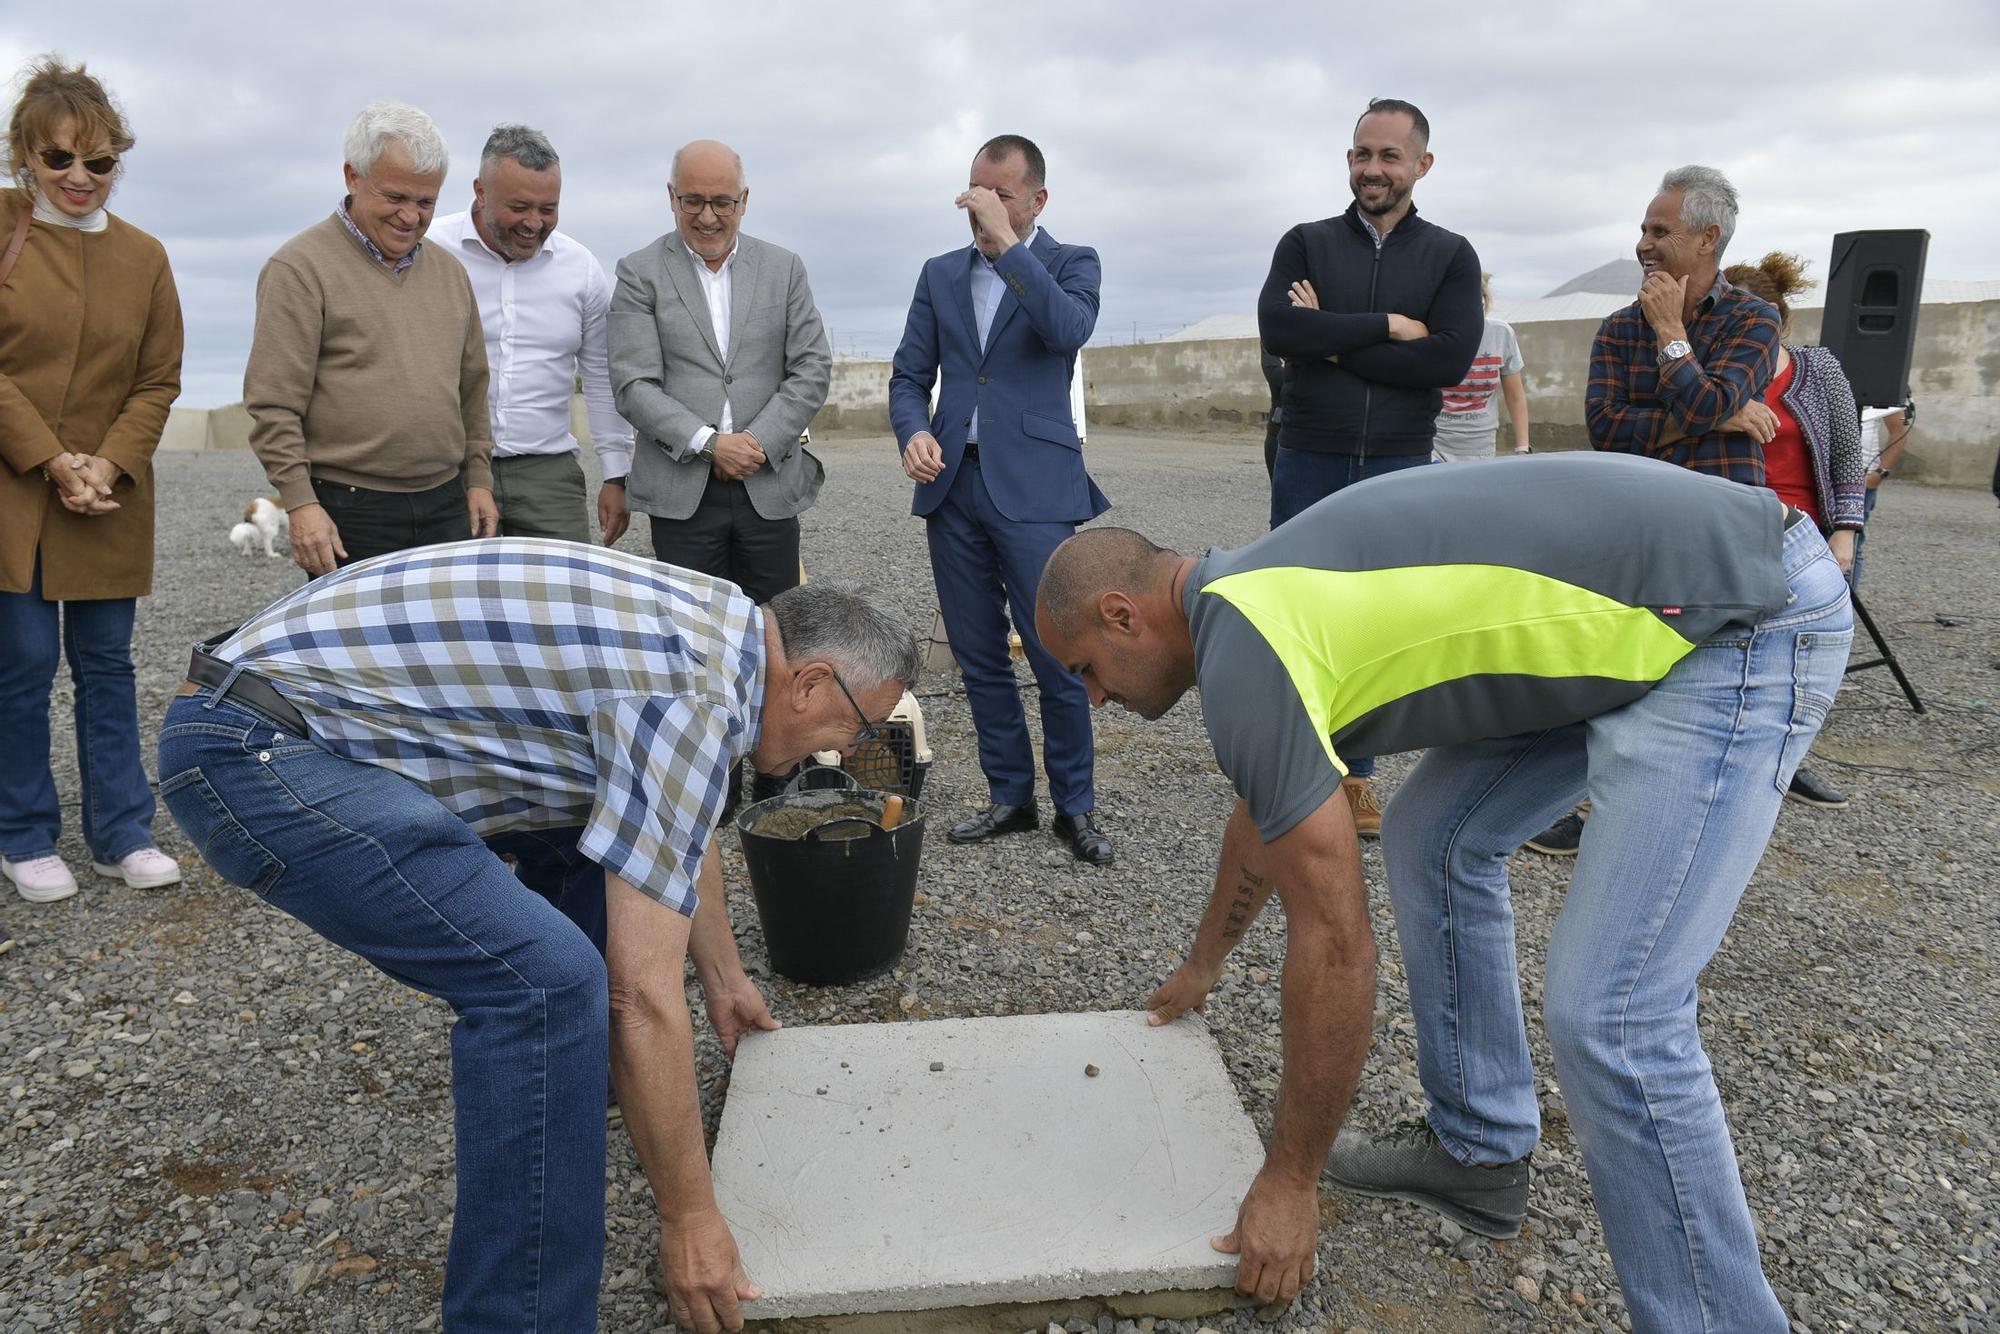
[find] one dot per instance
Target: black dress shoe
(1085, 839)
(995, 820)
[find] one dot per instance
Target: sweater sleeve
(1441, 358)
(156, 383)
(472, 405)
(278, 378)
(1848, 464)
(1300, 333)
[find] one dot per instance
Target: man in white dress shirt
(544, 303)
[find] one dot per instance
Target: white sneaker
(40, 879)
(148, 868)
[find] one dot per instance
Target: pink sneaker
(40, 879)
(148, 868)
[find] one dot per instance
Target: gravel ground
(211, 1119)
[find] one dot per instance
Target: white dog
(263, 522)
(245, 537)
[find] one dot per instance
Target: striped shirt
(1632, 402)
(528, 683)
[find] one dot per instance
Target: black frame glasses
(692, 205)
(59, 159)
(867, 732)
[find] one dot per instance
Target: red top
(1788, 467)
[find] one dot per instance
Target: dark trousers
(375, 523)
(1302, 478)
(986, 564)
(727, 537)
(548, 862)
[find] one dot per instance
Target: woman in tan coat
(90, 360)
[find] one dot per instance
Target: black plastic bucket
(834, 903)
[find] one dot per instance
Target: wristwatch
(1675, 350)
(707, 452)
(618, 482)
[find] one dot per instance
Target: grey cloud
(1182, 137)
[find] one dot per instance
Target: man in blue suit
(999, 474)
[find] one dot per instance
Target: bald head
(1099, 561)
(1107, 611)
(705, 158)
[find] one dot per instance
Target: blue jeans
(376, 865)
(1301, 479)
(117, 802)
(1685, 785)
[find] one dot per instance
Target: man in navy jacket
(1000, 477)
(1376, 312)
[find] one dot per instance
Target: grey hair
(530, 148)
(859, 631)
(1707, 198)
(379, 122)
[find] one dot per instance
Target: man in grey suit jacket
(719, 361)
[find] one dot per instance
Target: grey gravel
(210, 1119)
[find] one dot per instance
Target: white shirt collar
(463, 229)
(701, 264)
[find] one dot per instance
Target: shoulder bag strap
(20, 239)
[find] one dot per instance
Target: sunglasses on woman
(59, 159)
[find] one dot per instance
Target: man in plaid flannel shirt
(1680, 373)
(356, 753)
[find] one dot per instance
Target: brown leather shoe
(1361, 801)
(1086, 841)
(995, 820)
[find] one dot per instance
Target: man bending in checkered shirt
(359, 752)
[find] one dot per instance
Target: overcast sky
(1182, 138)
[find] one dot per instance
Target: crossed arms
(1433, 352)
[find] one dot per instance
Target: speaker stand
(1888, 658)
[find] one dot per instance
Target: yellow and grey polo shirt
(1487, 599)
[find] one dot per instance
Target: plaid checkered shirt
(1632, 401)
(528, 683)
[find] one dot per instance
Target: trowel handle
(892, 812)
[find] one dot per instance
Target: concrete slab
(967, 1162)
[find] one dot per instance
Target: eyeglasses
(59, 159)
(867, 732)
(692, 205)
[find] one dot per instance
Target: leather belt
(251, 691)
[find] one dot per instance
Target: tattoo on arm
(1240, 908)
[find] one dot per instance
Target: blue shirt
(987, 289)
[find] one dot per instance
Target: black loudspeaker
(1872, 290)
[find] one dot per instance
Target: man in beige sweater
(366, 383)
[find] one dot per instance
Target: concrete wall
(207, 428)
(1955, 376)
